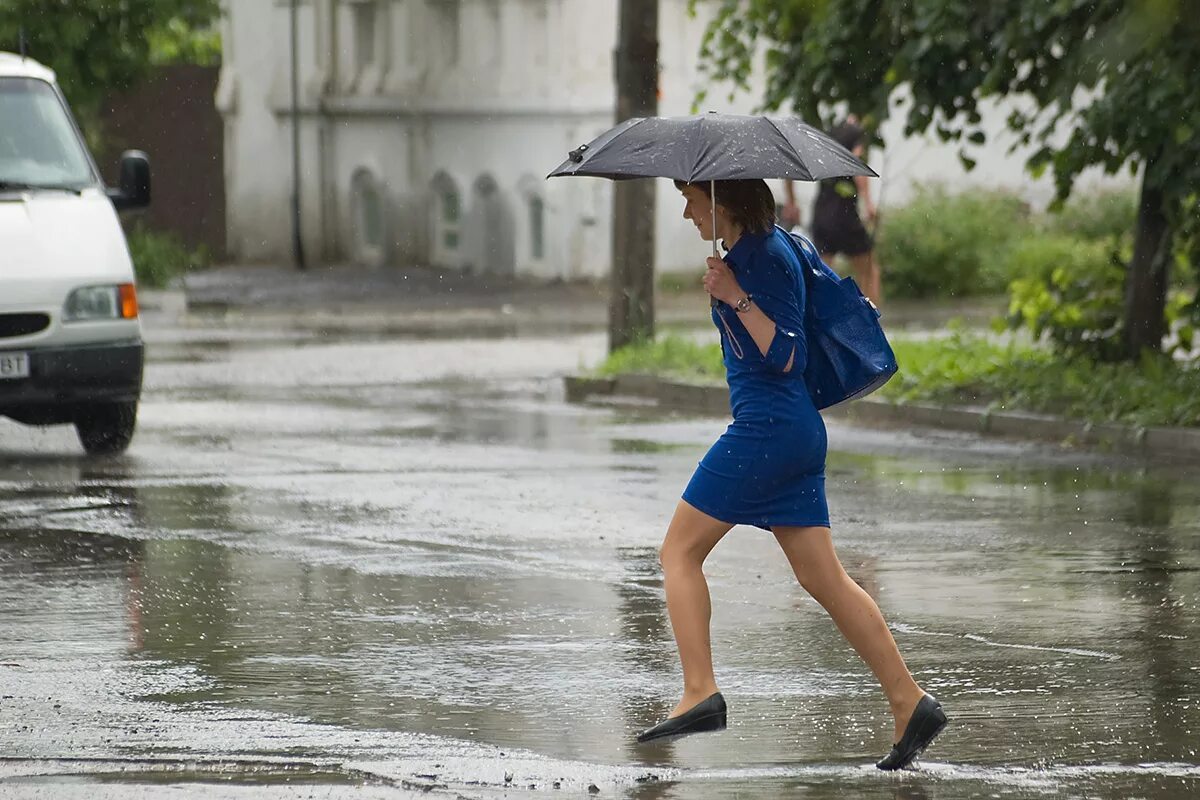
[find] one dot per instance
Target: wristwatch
(743, 305)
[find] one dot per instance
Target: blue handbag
(848, 354)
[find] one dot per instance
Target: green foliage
(950, 245)
(1071, 291)
(671, 355)
(161, 258)
(973, 369)
(99, 46)
(1106, 215)
(951, 368)
(180, 42)
(970, 369)
(1118, 76)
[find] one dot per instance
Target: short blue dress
(768, 468)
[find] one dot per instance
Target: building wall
(428, 126)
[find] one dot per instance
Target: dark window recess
(22, 324)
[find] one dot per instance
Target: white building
(427, 128)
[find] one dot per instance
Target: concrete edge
(714, 399)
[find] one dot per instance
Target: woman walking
(767, 470)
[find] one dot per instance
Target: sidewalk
(441, 302)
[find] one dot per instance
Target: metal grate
(22, 324)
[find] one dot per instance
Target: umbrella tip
(576, 155)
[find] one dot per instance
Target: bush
(1070, 290)
(1109, 215)
(944, 245)
(161, 258)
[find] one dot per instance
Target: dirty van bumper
(64, 379)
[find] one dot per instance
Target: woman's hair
(749, 202)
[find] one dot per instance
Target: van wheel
(106, 428)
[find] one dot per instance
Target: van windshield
(39, 147)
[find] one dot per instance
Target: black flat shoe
(926, 722)
(707, 715)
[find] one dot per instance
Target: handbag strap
(733, 342)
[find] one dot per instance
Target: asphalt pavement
(346, 564)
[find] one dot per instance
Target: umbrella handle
(712, 195)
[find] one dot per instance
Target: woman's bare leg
(811, 554)
(691, 536)
(866, 274)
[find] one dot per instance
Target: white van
(70, 334)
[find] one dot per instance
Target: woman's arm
(764, 331)
(779, 349)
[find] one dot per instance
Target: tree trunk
(631, 309)
(1146, 282)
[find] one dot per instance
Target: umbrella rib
(698, 150)
(808, 176)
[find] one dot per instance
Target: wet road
(362, 567)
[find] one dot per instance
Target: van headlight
(101, 302)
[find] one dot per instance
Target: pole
(297, 239)
(631, 309)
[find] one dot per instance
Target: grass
(161, 259)
(968, 368)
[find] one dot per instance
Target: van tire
(106, 429)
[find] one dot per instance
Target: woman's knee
(822, 587)
(676, 553)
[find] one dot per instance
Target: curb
(643, 389)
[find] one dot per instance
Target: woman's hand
(720, 283)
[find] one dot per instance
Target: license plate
(14, 365)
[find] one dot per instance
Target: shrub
(1106, 215)
(1070, 290)
(161, 258)
(944, 245)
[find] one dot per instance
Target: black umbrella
(713, 147)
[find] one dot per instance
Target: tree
(631, 308)
(100, 46)
(1100, 82)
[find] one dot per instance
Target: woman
(837, 227)
(767, 470)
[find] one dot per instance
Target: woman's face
(698, 209)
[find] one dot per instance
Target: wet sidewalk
(441, 302)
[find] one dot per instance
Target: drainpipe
(297, 241)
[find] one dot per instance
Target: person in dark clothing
(837, 228)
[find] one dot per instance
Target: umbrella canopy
(713, 147)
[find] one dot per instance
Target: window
(537, 228)
(367, 209)
(451, 213)
(38, 143)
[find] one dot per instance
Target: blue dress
(768, 468)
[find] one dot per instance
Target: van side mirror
(134, 191)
